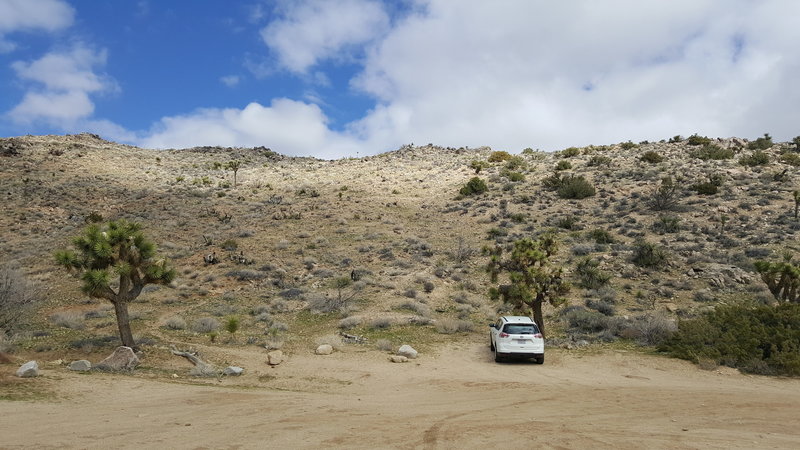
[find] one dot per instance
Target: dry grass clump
(175, 323)
(350, 322)
(205, 325)
(450, 326)
(333, 340)
(381, 323)
(73, 320)
(384, 345)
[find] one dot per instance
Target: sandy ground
(457, 399)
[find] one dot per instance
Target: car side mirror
(491, 325)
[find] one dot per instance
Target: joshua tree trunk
(537, 315)
(124, 323)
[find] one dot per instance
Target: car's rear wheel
(491, 344)
(539, 360)
(497, 357)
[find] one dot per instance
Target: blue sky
(335, 78)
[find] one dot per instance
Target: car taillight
(538, 335)
(503, 335)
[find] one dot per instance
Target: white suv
(516, 336)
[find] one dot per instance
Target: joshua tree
(533, 278)
(116, 248)
(782, 278)
(796, 197)
(234, 165)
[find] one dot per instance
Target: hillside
(396, 222)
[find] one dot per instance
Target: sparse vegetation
(652, 157)
(499, 156)
(473, 187)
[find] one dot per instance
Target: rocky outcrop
(407, 351)
(81, 365)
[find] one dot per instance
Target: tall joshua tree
(533, 278)
(118, 248)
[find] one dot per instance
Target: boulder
(398, 359)
(274, 357)
(407, 351)
(122, 360)
(233, 371)
(28, 370)
(324, 349)
(81, 365)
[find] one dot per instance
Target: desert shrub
(175, 323)
(590, 275)
(350, 322)
(651, 157)
(327, 303)
(515, 163)
(230, 244)
(648, 254)
(568, 223)
(384, 345)
(705, 188)
(474, 186)
(410, 293)
(447, 325)
(627, 145)
(754, 338)
(761, 143)
(792, 159)
(600, 236)
(499, 156)
(232, 324)
(757, 158)
(602, 306)
(428, 286)
(478, 165)
(650, 329)
(665, 196)
(205, 325)
(580, 319)
(18, 299)
(380, 323)
(667, 224)
(246, 274)
(696, 140)
(73, 320)
(563, 165)
(570, 152)
(575, 187)
(598, 161)
(582, 249)
(712, 152)
(514, 176)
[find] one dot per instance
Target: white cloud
(230, 80)
(311, 31)
(32, 15)
(525, 73)
(550, 75)
(59, 86)
(287, 126)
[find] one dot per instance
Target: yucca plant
(117, 248)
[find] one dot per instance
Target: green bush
(474, 186)
(477, 165)
(499, 156)
(761, 143)
(757, 158)
(697, 140)
(570, 152)
(600, 236)
(575, 187)
(598, 160)
(712, 151)
(647, 254)
(627, 145)
(590, 275)
(515, 162)
(651, 157)
(754, 338)
(568, 223)
(792, 159)
(667, 224)
(705, 188)
(563, 165)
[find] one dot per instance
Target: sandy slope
(458, 399)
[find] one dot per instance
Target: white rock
(80, 365)
(233, 371)
(407, 351)
(28, 370)
(122, 360)
(324, 349)
(274, 357)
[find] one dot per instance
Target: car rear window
(524, 328)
